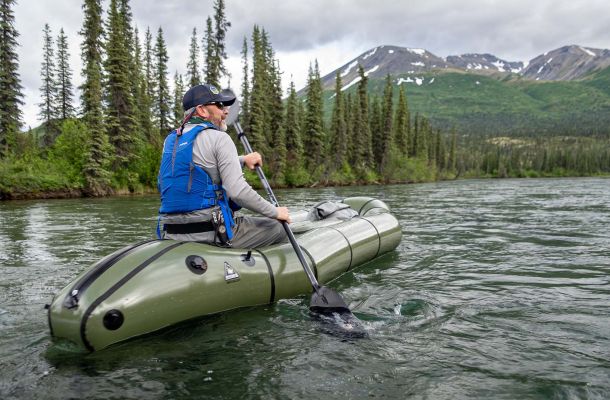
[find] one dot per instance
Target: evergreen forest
(108, 139)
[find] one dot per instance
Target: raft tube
(154, 284)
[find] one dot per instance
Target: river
(500, 289)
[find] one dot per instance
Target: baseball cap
(206, 94)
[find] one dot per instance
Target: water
(499, 289)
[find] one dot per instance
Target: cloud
(333, 32)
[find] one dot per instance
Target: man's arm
(233, 179)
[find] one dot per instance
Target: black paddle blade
(345, 326)
(327, 301)
(336, 318)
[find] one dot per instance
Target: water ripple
(499, 289)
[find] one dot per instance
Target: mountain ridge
(565, 91)
(565, 63)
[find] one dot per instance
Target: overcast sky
(331, 31)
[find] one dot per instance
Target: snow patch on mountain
(375, 68)
(352, 83)
(499, 65)
(420, 52)
(417, 81)
(349, 68)
(369, 54)
(589, 52)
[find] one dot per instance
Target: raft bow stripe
(114, 288)
(71, 300)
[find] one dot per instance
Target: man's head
(209, 103)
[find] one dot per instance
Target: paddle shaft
(297, 249)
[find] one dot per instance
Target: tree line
(126, 107)
(367, 138)
(111, 141)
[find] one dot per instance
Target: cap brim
(226, 97)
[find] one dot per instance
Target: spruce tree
(268, 85)
(338, 127)
(192, 67)
(142, 99)
(48, 90)
(132, 66)
(221, 26)
(10, 83)
(385, 136)
(415, 136)
(292, 133)
(149, 68)
(276, 115)
(452, 162)
(95, 170)
(364, 143)
(401, 124)
(440, 151)
(214, 45)
(162, 96)
(259, 106)
(178, 94)
(126, 18)
(210, 68)
(421, 139)
(355, 124)
(314, 124)
(245, 87)
(375, 125)
(349, 129)
(149, 88)
(64, 78)
(120, 115)
(431, 145)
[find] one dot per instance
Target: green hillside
(479, 104)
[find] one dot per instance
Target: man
(200, 180)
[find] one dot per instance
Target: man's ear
(202, 111)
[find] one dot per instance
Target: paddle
(323, 299)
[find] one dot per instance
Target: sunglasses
(219, 105)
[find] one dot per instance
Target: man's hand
(252, 160)
(282, 214)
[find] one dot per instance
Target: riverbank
(72, 193)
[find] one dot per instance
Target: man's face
(216, 114)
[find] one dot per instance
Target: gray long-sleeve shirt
(216, 153)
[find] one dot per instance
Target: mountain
(484, 62)
(384, 60)
(565, 91)
(562, 92)
(567, 63)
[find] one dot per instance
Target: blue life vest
(186, 187)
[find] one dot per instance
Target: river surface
(500, 289)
